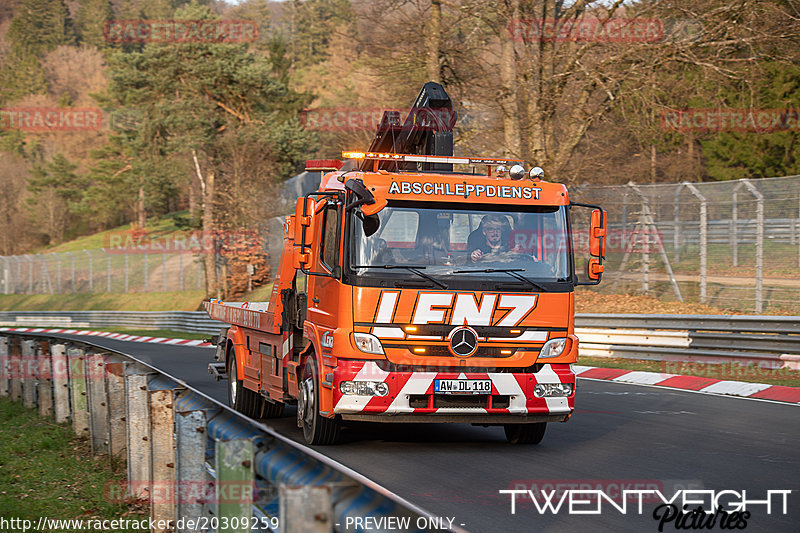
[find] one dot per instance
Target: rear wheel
(525, 433)
(316, 428)
(242, 400)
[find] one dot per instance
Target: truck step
(217, 370)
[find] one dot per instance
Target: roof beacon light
(517, 172)
(501, 171)
(537, 173)
(415, 158)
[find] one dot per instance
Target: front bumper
(411, 397)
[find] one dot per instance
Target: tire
(272, 409)
(316, 428)
(525, 433)
(242, 400)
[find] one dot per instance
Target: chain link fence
(96, 271)
(732, 244)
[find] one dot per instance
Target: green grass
(45, 470)
(727, 371)
(156, 227)
(139, 301)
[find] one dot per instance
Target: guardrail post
(4, 366)
(77, 384)
(115, 394)
(162, 463)
(97, 402)
(15, 369)
(235, 483)
(45, 386)
(191, 441)
(137, 416)
(29, 373)
(306, 509)
(60, 372)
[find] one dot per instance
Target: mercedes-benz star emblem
(463, 341)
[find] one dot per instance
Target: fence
(95, 271)
(199, 465)
(732, 244)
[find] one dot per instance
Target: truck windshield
(463, 247)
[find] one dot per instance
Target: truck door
(323, 294)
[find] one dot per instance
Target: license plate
(462, 386)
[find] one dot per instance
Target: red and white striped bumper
(513, 393)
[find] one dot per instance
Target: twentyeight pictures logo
(181, 31)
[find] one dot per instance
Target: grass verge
(727, 371)
(138, 301)
(45, 470)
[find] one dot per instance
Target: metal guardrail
(199, 464)
(769, 341)
(189, 321)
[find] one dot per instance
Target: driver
(491, 237)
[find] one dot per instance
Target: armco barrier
(766, 340)
(199, 464)
(190, 321)
(769, 341)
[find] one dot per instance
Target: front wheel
(316, 428)
(525, 433)
(242, 400)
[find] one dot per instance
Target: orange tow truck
(412, 288)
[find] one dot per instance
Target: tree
(314, 22)
(38, 27)
(56, 191)
(91, 21)
(196, 101)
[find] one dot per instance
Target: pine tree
(91, 20)
(39, 26)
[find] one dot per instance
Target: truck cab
(412, 288)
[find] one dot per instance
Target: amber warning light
(414, 158)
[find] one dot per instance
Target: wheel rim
(306, 407)
(233, 383)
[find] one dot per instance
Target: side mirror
(594, 269)
(304, 222)
(597, 234)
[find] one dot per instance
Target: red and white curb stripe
(743, 389)
(116, 336)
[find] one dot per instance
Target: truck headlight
(553, 348)
(364, 388)
(541, 390)
(368, 343)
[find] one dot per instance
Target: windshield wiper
(411, 268)
(513, 272)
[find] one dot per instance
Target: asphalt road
(621, 436)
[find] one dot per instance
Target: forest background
(214, 128)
